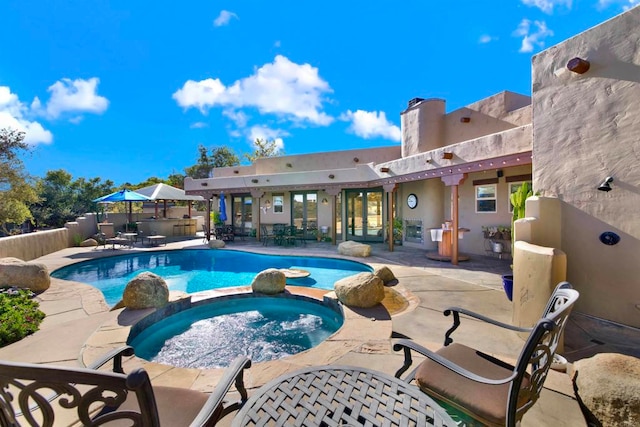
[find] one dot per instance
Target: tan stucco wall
(34, 245)
(587, 127)
(423, 127)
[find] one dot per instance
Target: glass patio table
(338, 396)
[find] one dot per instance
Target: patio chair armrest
(456, 311)
(234, 373)
(116, 356)
(408, 345)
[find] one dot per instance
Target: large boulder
(216, 244)
(88, 243)
(385, 274)
(351, 248)
(146, 290)
(608, 385)
(360, 290)
(24, 274)
(270, 281)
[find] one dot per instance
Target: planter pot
(507, 284)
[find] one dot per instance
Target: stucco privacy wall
(34, 245)
(587, 127)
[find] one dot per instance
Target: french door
(304, 212)
(364, 215)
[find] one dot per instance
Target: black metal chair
(481, 386)
(44, 395)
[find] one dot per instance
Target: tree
(264, 148)
(219, 157)
(16, 193)
(62, 199)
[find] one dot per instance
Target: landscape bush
(19, 315)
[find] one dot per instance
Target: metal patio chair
(45, 395)
(481, 386)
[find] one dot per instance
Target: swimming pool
(195, 270)
(211, 333)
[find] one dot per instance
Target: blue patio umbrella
(223, 208)
(123, 196)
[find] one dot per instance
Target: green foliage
(219, 157)
(264, 148)
(518, 199)
(215, 217)
(16, 192)
(19, 316)
(77, 239)
(62, 199)
(397, 228)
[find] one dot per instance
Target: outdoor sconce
(605, 184)
(447, 156)
(204, 184)
(255, 181)
(384, 169)
(355, 159)
(578, 65)
(325, 201)
(465, 119)
(332, 176)
(267, 203)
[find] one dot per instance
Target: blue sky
(126, 90)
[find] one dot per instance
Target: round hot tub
(211, 333)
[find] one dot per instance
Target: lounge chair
(483, 387)
(44, 395)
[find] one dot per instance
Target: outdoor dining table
(337, 396)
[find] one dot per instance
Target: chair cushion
(487, 403)
(176, 406)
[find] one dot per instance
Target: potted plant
(505, 232)
(518, 199)
(397, 231)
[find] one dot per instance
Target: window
(513, 187)
(486, 198)
(278, 203)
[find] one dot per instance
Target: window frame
(278, 202)
(494, 198)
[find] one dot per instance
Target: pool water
(214, 334)
(195, 270)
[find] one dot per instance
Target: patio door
(242, 214)
(364, 215)
(304, 212)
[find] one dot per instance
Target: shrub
(19, 315)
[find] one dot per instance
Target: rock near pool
(385, 274)
(351, 248)
(608, 385)
(270, 281)
(146, 290)
(216, 244)
(361, 290)
(24, 274)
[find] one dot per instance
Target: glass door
(242, 214)
(364, 215)
(304, 213)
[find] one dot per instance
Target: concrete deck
(79, 324)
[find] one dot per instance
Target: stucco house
(581, 125)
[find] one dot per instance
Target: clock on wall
(412, 201)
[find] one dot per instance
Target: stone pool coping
(362, 329)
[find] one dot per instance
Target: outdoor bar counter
(168, 226)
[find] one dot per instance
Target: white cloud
(198, 125)
(284, 88)
(624, 4)
(238, 117)
(532, 39)
(486, 38)
(75, 96)
(14, 114)
(265, 133)
(547, 5)
(371, 124)
(224, 18)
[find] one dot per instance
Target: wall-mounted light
(254, 180)
(325, 201)
(578, 65)
(465, 119)
(267, 203)
(605, 184)
(332, 176)
(384, 170)
(447, 156)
